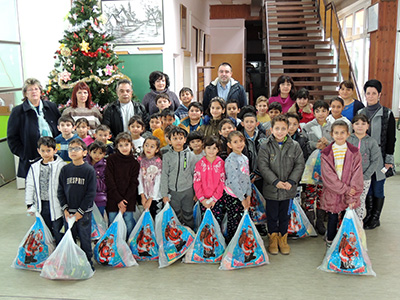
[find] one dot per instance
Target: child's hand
(195, 199)
(281, 185)
(77, 216)
(352, 192)
(287, 185)
(246, 203)
(146, 204)
(165, 199)
(351, 205)
(324, 141)
(66, 214)
(122, 206)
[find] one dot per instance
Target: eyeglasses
(75, 149)
(30, 90)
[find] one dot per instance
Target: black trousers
(278, 215)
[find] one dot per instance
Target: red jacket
(335, 196)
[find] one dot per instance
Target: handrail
(329, 10)
(267, 48)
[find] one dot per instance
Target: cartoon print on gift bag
(257, 206)
(299, 225)
(106, 251)
(99, 225)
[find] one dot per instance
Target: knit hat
(373, 83)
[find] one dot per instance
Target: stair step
(297, 58)
(282, 20)
(299, 13)
(291, 8)
(301, 50)
(305, 75)
(284, 3)
(297, 25)
(300, 67)
(323, 93)
(294, 38)
(316, 83)
(299, 45)
(294, 31)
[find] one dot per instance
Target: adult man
(225, 87)
(119, 112)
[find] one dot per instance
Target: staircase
(297, 48)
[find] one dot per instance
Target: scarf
(44, 128)
(127, 112)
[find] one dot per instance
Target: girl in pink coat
(342, 177)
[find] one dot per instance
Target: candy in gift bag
(257, 206)
(35, 247)
(68, 261)
(142, 240)
(173, 239)
(312, 170)
(347, 254)
(299, 225)
(197, 215)
(99, 225)
(209, 243)
(111, 249)
(246, 248)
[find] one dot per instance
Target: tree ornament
(100, 72)
(102, 91)
(84, 46)
(65, 52)
(65, 76)
(108, 70)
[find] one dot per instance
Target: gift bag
(299, 225)
(197, 215)
(312, 170)
(209, 243)
(347, 254)
(68, 261)
(35, 247)
(224, 225)
(142, 240)
(257, 206)
(246, 248)
(99, 225)
(173, 239)
(111, 249)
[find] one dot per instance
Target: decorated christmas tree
(85, 54)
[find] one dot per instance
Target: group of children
(216, 160)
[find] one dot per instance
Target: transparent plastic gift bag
(257, 206)
(68, 261)
(209, 243)
(347, 253)
(197, 215)
(112, 249)
(312, 170)
(299, 224)
(224, 225)
(99, 225)
(142, 240)
(173, 239)
(246, 249)
(35, 247)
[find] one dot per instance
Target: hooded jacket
(236, 92)
(101, 190)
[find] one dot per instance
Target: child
(194, 120)
(215, 114)
(154, 123)
(342, 176)
(262, 110)
(371, 159)
(297, 135)
(209, 179)
(232, 110)
(137, 127)
(302, 107)
(103, 134)
(284, 92)
(76, 192)
(41, 186)
(163, 102)
(186, 97)
(97, 152)
(237, 192)
(281, 164)
(82, 128)
(318, 134)
(66, 126)
(167, 119)
(195, 140)
(166, 148)
(177, 176)
(351, 106)
(150, 175)
(275, 109)
(337, 105)
(122, 172)
(225, 127)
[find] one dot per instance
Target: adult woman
(283, 92)
(159, 83)
(351, 105)
(383, 130)
(28, 122)
(82, 106)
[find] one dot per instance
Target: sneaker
(328, 244)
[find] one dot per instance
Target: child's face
(177, 142)
(150, 148)
(302, 102)
(340, 134)
(196, 145)
(211, 151)
(76, 152)
(47, 153)
(195, 113)
(285, 87)
(82, 130)
(336, 109)
(232, 110)
(293, 126)
(186, 98)
(262, 107)
(280, 130)
(237, 144)
(321, 114)
(360, 127)
(97, 155)
(226, 129)
(216, 110)
(345, 93)
(103, 136)
(66, 128)
(163, 103)
(136, 130)
(155, 123)
(250, 124)
(166, 121)
(273, 113)
(125, 147)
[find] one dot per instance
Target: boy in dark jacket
(297, 135)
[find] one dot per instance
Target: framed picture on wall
(183, 27)
(373, 17)
(207, 56)
(197, 39)
(201, 40)
(134, 22)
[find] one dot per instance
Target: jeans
(376, 189)
(128, 218)
(278, 215)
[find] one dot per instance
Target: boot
(376, 213)
(369, 201)
(311, 217)
(320, 226)
(273, 243)
(283, 245)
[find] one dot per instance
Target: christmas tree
(85, 54)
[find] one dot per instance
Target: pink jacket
(335, 196)
(209, 179)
